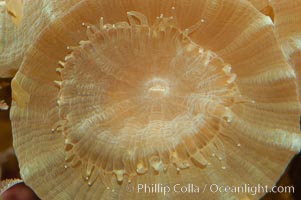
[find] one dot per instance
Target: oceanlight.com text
(213, 188)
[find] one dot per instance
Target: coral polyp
(147, 96)
(113, 93)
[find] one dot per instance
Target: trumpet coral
(112, 94)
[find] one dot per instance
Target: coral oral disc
(148, 91)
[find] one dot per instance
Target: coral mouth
(157, 88)
(136, 98)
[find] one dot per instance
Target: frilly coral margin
(8, 183)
